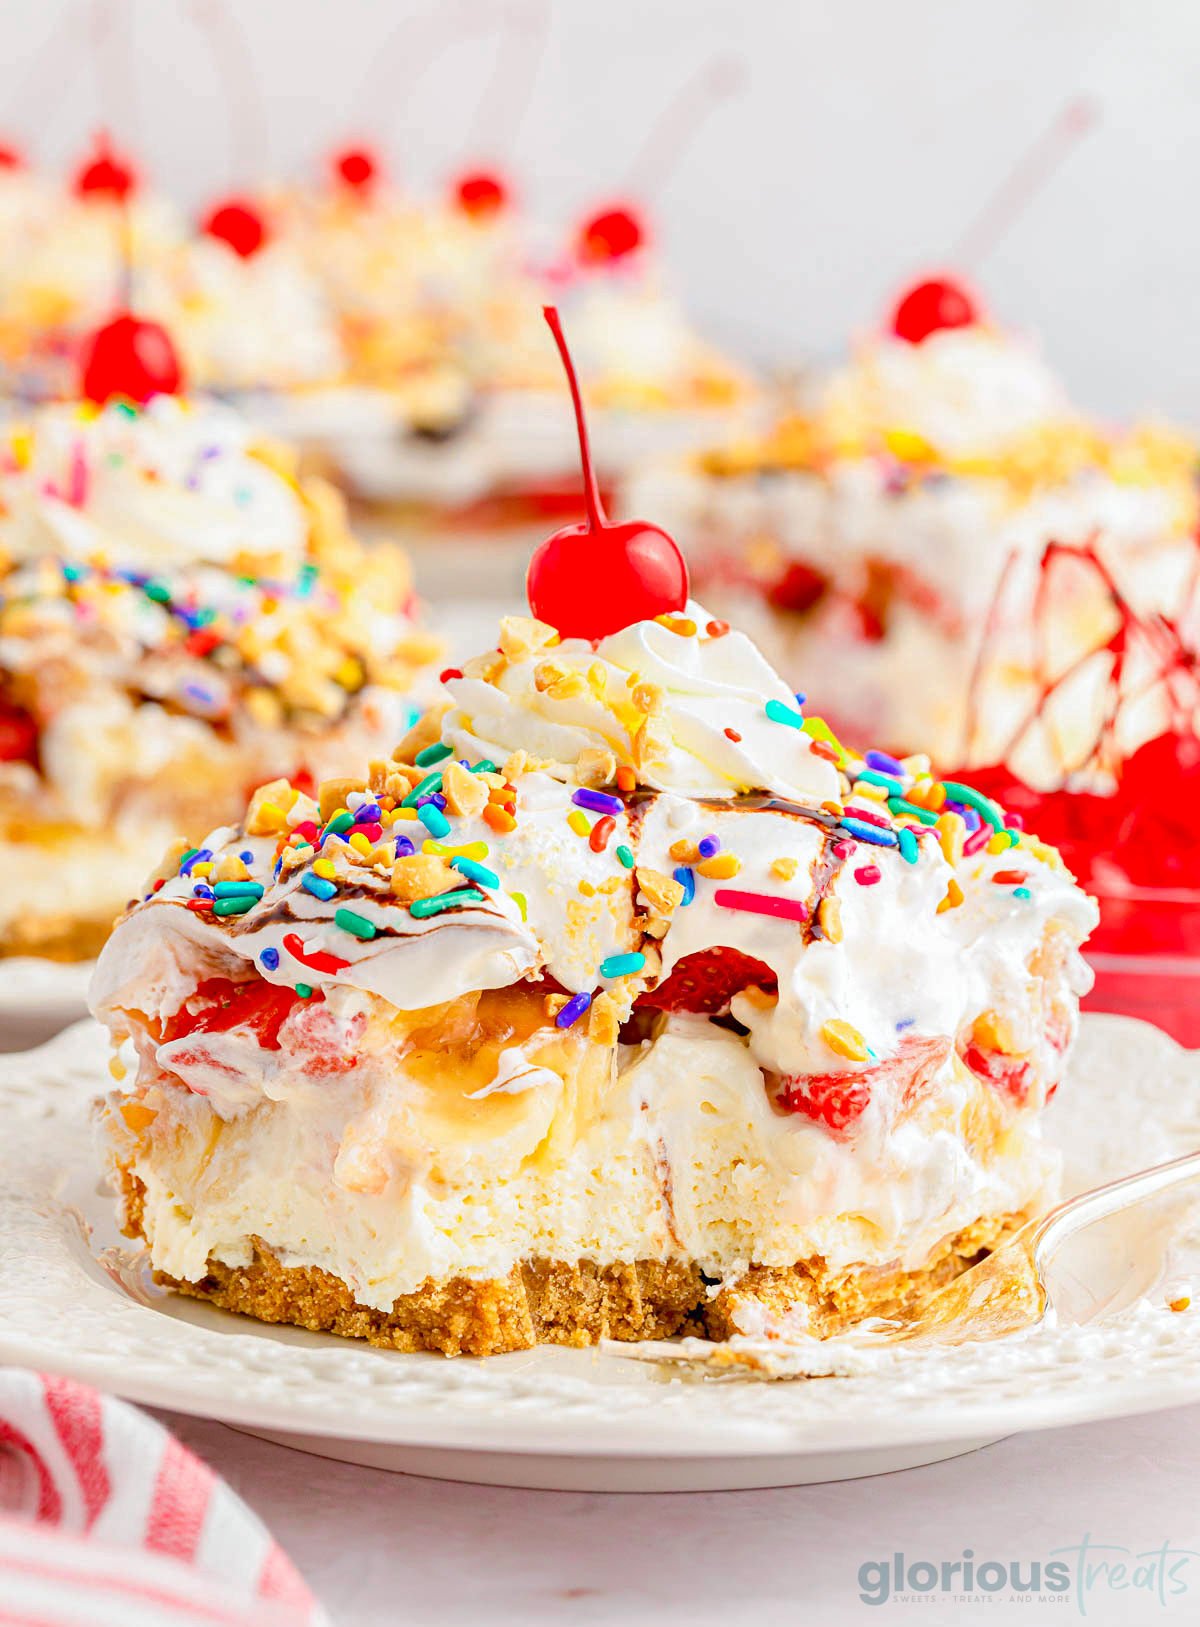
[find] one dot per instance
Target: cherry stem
(506, 95)
(597, 519)
(681, 118)
(125, 250)
(1005, 206)
(116, 86)
(231, 57)
(405, 56)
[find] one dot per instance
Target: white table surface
(385, 1550)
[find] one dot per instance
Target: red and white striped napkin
(107, 1521)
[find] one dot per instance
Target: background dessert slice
(179, 619)
(887, 539)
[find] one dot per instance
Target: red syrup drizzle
(1136, 846)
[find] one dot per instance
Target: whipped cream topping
(685, 709)
(855, 918)
(173, 484)
(962, 390)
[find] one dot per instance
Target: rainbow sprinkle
(573, 1010)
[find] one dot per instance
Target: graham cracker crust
(570, 1303)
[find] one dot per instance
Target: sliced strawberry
(255, 1004)
(18, 735)
(329, 1043)
(799, 588)
(708, 980)
(836, 1100)
(1010, 1074)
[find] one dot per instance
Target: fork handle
(1068, 1217)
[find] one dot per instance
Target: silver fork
(1035, 1272)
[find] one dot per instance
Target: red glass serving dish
(1137, 851)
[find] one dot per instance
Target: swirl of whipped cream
(172, 485)
(962, 390)
(632, 329)
(683, 702)
(254, 323)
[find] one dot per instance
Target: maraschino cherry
(239, 224)
(105, 174)
(11, 157)
(930, 306)
(610, 234)
(481, 194)
(593, 579)
(357, 168)
(131, 358)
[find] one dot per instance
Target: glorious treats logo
(1075, 1575)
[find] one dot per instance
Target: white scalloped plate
(564, 1418)
(39, 997)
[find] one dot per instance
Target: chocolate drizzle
(825, 872)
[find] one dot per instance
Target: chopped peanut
(661, 892)
(465, 794)
(421, 875)
(267, 813)
(595, 766)
(522, 636)
(571, 687)
(603, 1020)
(546, 674)
(169, 863)
(332, 794)
(426, 731)
(829, 918)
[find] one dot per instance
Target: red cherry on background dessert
(105, 174)
(593, 579)
(610, 234)
(238, 223)
(131, 358)
(356, 167)
(11, 157)
(930, 306)
(481, 194)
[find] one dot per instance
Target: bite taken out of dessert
(911, 540)
(621, 1000)
(180, 619)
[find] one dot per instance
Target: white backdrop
(863, 140)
